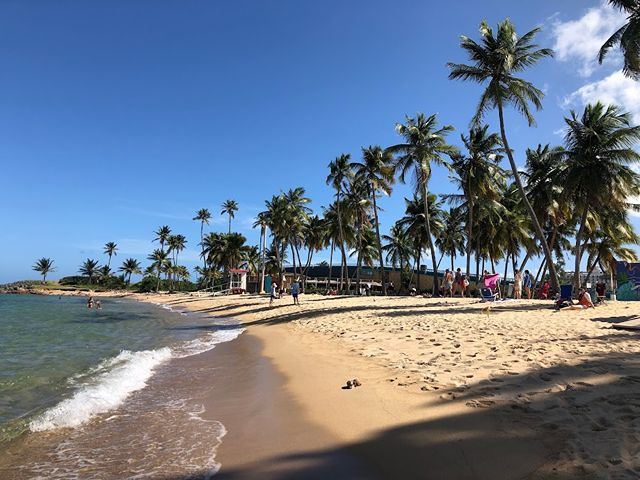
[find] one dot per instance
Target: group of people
(454, 283)
(276, 293)
(91, 302)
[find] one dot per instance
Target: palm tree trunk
(427, 224)
(229, 224)
(578, 252)
(341, 238)
(418, 269)
(204, 261)
(593, 267)
(359, 264)
(263, 244)
(331, 262)
(469, 236)
(532, 215)
(506, 270)
(375, 214)
(293, 255)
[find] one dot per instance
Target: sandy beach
(450, 389)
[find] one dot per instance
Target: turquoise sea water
(61, 363)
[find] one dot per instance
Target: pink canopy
(491, 281)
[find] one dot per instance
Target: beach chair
(566, 292)
(488, 295)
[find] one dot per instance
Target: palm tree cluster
(580, 190)
(572, 198)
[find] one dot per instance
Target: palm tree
(496, 61)
(414, 224)
(340, 173)
(376, 171)
(110, 249)
(628, 36)
(89, 268)
(606, 245)
(162, 236)
(423, 145)
(261, 221)
(203, 216)
(478, 176)
(129, 267)
(229, 207)
(44, 266)
(597, 174)
(159, 259)
(176, 243)
(315, 238)
(295, 217)
(356, 214)
(451, 238)
(398, 248)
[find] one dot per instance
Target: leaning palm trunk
(427, 224)
(578, 252)
(534, 219)
(418, 268)
(469, 236)
(375, 214)
(340, 240)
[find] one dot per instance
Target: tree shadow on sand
(566, 421)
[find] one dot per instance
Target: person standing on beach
(517, 285)
(448, 283)
(274, 293)
(457, 282)
(295, 291)
(527, 283)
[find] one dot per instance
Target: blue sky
(118, 117)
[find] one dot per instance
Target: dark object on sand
(351, 384)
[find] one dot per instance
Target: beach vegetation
(44, 266)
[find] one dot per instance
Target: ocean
(88, 393)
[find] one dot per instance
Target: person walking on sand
(527, 283)
(517, 285)
(274, 293)
(295, 291)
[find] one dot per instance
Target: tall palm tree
(315, 238)
(44, 266)
(162, 236)
(340, 173)
(110, 249)
(261, 221)
(89, 268)
(357, 218)
(496, 61)
(628, 37)
(129, 267)
(423, 145)
(176, 243)
(203, 216)
(296, 216)
(377, 172)
(478, 176)
(597, 177)
(229, 207)
(159, 259)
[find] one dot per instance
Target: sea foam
(105, 386)
(121, 375)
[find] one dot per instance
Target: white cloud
(616, 89)
(580, 40)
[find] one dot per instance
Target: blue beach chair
(566, 292)
(488, 296)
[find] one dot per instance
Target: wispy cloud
(580, 40)
(154, 213)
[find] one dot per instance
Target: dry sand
(452, 389)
